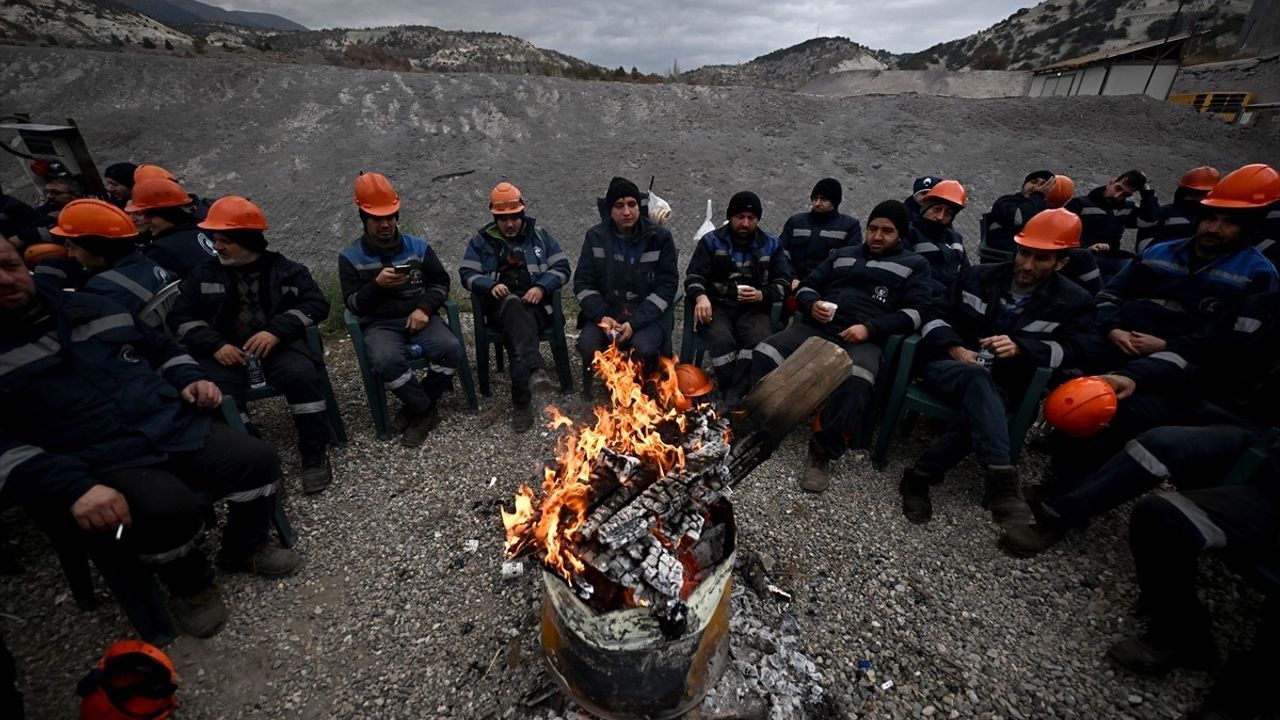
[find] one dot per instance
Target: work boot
(915, 495)
(521, 418)
(401, 421)
(316, 473)
(419, 428)
(540, 384)
(1156, 652)
(1026, 541)
(200, 614)
(266, 560)
(1002, 495)
(817, 477)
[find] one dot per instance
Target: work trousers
(387, 342)
(1189, 457)
(297, 377)
(730, 338)
(521, 325)
(981, 426)
(645, 344)
(844, 407)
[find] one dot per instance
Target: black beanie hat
(110, 248)
(252, 240)
(830, 189)
(895, 212)
(121, 172)
(620, 188)
(1037, 176)
(745, 201)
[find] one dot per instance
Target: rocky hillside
(82, 23)
(792, 68)
(1058, 30)
(186, 12)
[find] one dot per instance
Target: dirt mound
(294, 137)
(949, 83)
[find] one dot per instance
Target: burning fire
(628, 424)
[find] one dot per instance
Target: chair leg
(482, 363)
(378, 409)
(499, 351)
(560, 351)
(892, 415)
(287, 537)
(337, 428)
(75, 567)
(468, 385)
(138, 593)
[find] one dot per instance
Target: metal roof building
(1146, 67)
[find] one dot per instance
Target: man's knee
(1163, 519)
(647, 344)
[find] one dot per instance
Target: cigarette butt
(119, 530)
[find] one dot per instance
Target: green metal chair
(693, 349)
(986, 253)
(231, 415)
(1247, 466)
(908, 396)
(486, 336)
(375, 388)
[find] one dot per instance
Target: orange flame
(627, 425)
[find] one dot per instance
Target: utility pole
(1160, 51)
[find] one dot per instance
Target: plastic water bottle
(414, 350)
(986, 357)
(256, 378)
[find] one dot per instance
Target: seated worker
(933, 235)
(166, 212)
(625, 280)
(394, 283)
(253, 306)
(60, 188)
(100, 236)
(1210, 396)
(1024, 315)
(1107, 211)
(105, 431)
(515, 265)
(1041, 190)
(736, 273)
(15, 215)
(1178, 288)
(919, 189)
(856, 298)
(118, 180)
(809, 237)
(1178, 220)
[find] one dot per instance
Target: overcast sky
(650, 34)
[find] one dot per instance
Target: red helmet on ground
(1063, 189)
(376, 196)
(89, 216)
(1080, 407)
(1203, 178)
(133, 681)
(1057, 229)
(693, 382)
(37, 253)
(948, 191)
(1248, 188)
(234, 213)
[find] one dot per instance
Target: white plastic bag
(659, 209)
(706, 226)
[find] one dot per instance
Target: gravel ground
(393, 617)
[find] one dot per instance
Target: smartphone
(403, 269)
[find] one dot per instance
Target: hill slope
(81, 23)
(793, 67)
(183, 12)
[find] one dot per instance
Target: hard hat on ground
(505, 199)
(1247, 188)
(99, 218)
(692, 381)
(134, 680)
(1057, 229)
(234, 213)
(157, 193)
(375, 195)
(1080, 407)
(948, 191)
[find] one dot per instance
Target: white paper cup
(742, 289)
(829, 306)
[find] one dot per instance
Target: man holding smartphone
(394, 283)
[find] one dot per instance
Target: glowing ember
(628, 426)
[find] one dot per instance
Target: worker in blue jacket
(101, 237)
(104, 430)
(933, 234)
(809, 237)
(1107, 211)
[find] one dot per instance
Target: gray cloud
(651, 34)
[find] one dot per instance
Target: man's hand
(960, 353)
(261, 343)
(702, 310)
(390, 278)
(1123, 339)
(1098, 248)
(855, 333)
(500, 291)
(1123, 386)
(229, 355)
(534, 295)
(1147, 344)
(203, 394)
(1044, 186)
(749, 294)
(1002, 345)
(822, 312)
(795, 283)
(625, 332)
(417, 320)
(101, 508)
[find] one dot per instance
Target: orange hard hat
(1247, 188)
(157, 193)
(1203, 178)
(151, 172)
(1080, 407)
(692, 381)
(1063, 189)
(37, 253)
(375, 195)
(94, 217)
(134, 680)
(234, 213)
(505, 199)
(1057, 229)
(948, 191)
